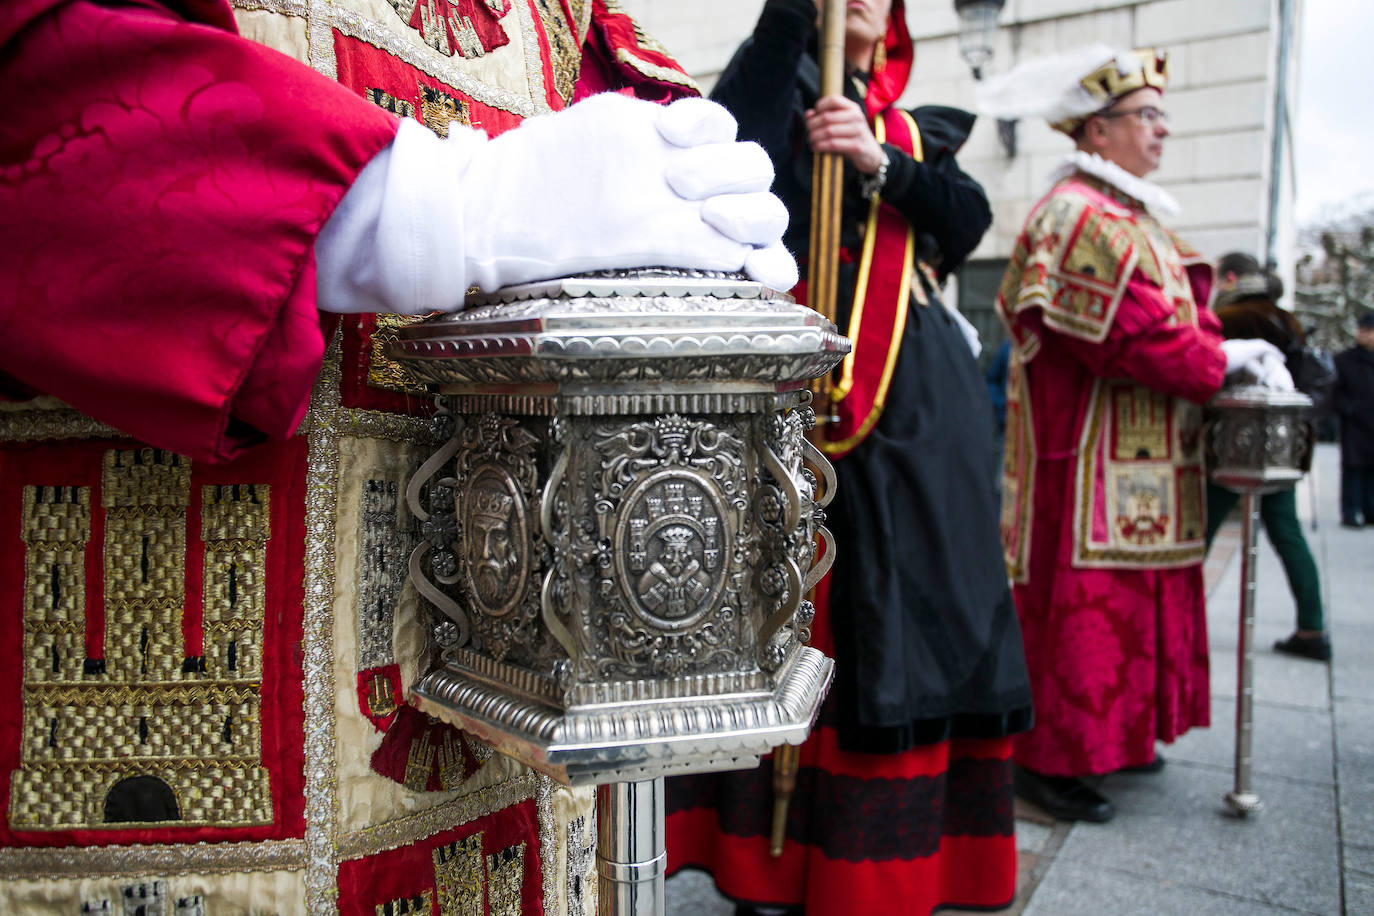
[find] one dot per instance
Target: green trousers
(1279, 515)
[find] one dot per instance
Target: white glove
(615, 182)
(611, 182)
(1260, 359)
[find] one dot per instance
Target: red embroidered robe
(208, 628)
(1103, 497)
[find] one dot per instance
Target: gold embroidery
(1073, 262)
(383, 371)
(235, 521)
(439, 110)
(422, 905)
(506, 876)
(565, 50)
(1142, 423)
(1018, 472)
(130, 741)
(458, 877)
(56, 528)
(1143, 500)
(1140, 503)
(1191, 514)
(399, 107)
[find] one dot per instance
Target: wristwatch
(872, 184)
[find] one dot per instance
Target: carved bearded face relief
(493, 546)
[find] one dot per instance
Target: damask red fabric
(280, 466)
(161, 186)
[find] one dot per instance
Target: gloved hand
(612, 182)
(615, 182)
(1260, 359)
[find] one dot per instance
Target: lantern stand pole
(1242, 798)
(631, 851)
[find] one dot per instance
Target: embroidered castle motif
(143, 708)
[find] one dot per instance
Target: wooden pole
(821, 281)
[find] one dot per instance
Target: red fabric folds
(161, 187)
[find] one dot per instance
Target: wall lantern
(977, 24)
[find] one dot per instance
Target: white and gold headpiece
(1065, 89)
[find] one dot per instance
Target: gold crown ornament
(1147, 67)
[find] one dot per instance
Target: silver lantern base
(1257, 442)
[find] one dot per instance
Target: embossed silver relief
(478, 497)
(670, 501)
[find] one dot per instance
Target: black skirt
(927, 642)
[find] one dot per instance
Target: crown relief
(1107, 83)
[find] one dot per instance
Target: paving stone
(1352, 644)
(1289, 743)
(1072, 888)
(1279, 679)
(1175, 828)
(1032, 837)
(1359, 893)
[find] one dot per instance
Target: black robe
(927, 642)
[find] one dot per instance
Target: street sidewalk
(1174, 846)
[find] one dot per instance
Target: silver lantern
(622, 518)
(1258, 441)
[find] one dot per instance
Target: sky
(1334, 113)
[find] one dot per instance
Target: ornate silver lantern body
(1258, 442)
(621, 522)
(1257, 438)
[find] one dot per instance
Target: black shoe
(1317, 648)
(1154, 766)
(1351, 523)
(1064, 797)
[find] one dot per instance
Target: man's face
(1365, 337)
(1131, 133)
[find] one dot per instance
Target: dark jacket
(1354, 402)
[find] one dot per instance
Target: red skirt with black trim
(900, 833)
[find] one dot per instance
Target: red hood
(889, 81)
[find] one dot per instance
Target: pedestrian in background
(1354, 403)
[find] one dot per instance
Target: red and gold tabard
(1088, 271)
(203, 665)
(1103, 519)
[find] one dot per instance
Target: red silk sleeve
(1149, 345)
(161, 187)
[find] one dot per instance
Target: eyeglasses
(1149, 115)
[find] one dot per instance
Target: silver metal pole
(631, 856)
(1242, 798)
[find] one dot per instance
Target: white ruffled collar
(1155, 199)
